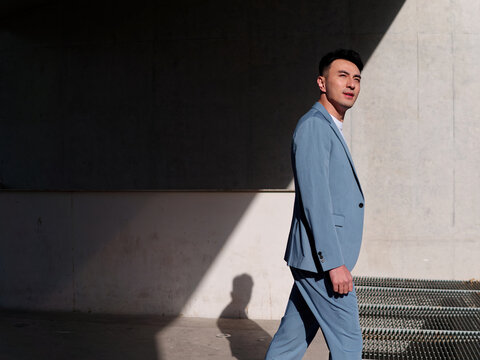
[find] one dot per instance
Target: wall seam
(72, 242)
(452, 34)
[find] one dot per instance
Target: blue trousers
(313, 304)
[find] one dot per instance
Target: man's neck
(332, 110)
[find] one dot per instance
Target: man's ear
(321, 83)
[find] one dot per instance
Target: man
(327, 224)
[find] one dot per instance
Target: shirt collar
(337, 122)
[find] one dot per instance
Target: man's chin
(346, 106)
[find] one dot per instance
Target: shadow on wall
(248, 341)
(122, 95)
(140, 252)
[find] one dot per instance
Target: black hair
(345, 54)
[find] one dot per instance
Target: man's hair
(345, 54)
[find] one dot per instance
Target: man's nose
(351, 84)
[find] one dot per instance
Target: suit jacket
(327, 223)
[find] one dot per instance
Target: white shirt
(339, 125)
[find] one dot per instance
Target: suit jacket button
(360, 205)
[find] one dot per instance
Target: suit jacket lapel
(335, 129)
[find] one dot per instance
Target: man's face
(341, 84)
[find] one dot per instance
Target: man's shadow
(248, 341)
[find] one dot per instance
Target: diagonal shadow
(165, 95)
(116, 95)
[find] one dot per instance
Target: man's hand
(341, 280)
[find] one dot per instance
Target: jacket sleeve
(311, 147)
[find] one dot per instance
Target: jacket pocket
(338, 220)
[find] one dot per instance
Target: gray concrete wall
(413, 136)
(113, 252)
(164, 95)
(415, 141)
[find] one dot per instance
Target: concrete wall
(413, 136)
(415, 142)
(115, 95)
(145, 252)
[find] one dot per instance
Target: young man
(327, 224)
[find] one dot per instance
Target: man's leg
(297, 330)
(337, 315)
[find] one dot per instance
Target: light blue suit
(326, 232)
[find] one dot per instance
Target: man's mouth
(348, 94)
